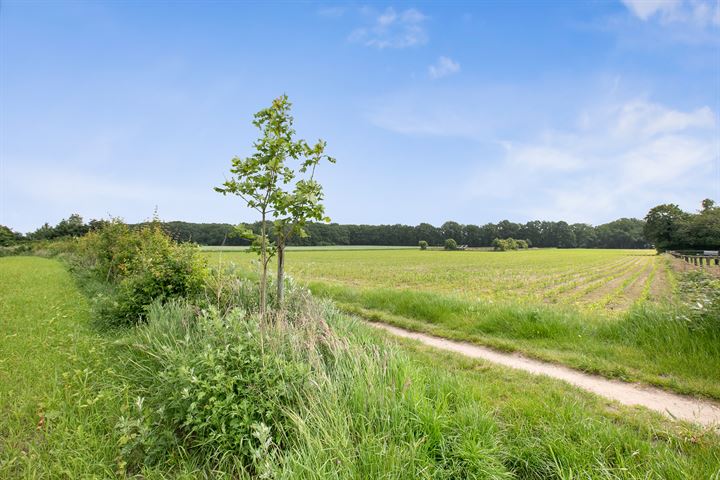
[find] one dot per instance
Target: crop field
(612, 280)
(608, 312)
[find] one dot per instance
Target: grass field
(310, 249)
(604, 280)
(386, 412)
(610, 312)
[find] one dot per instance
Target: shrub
(451, 244)
(423, 245)
(502, 245)
(141, 265)
(218, 384)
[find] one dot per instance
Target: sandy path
(672, 405)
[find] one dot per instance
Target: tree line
(668, 227)
(665, 227)
(622, 233)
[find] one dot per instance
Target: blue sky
(470, 111)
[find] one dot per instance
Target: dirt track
(672, 405)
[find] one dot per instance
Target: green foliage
(624, 234)
(670, 228)
(8, 237)
(73, 226)
(702, 231)
(451, 244)
(260, 180)
(79, 404)
(503, 245)
(423, 245)
(142, 265)
(662, 224)
(215, 382)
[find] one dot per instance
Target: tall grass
(202, 389)
(665, 345)
(356, 406)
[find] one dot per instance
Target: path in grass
(675, 406)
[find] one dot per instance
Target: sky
(466, 111)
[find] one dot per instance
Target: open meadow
(604, 280)
(286, 240)
(85, 403)
(609, 312)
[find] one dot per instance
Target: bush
(423, 245)
(451, 244)
(218, 384)
(141, 265)
(502, 245)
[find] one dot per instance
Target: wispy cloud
(392, 29)
(697, 12)
(543, 158)
(619, 159)
(443, 67)
(333, 11)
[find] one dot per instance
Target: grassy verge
(46, 368)
(658, 345)
(345, 401)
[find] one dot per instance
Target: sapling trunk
(263, 276)
(280, 273)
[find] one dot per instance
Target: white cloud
(392, 29)
(697, 12)
(639, 119)
(645, 9)
(443, 67)
(624, 158)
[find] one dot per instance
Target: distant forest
(623, 233)
(664, 227)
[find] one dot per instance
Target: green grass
(45, 340)
(531, 276)
(423, 291)
(298, 248)
(61, 391)
(375, 410)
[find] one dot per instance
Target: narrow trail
(675, 406)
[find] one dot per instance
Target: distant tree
(430, 233)
(507, 229)
(73, 226)
(662, 226)
(423, 245)
(9, 237)
(564, 235)
(452, 230)
(44, 232)
(451, 244)
(488, 232)
(622, 233)
(472, 235)
(532, 232)
(702, 230)
(585, 236)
